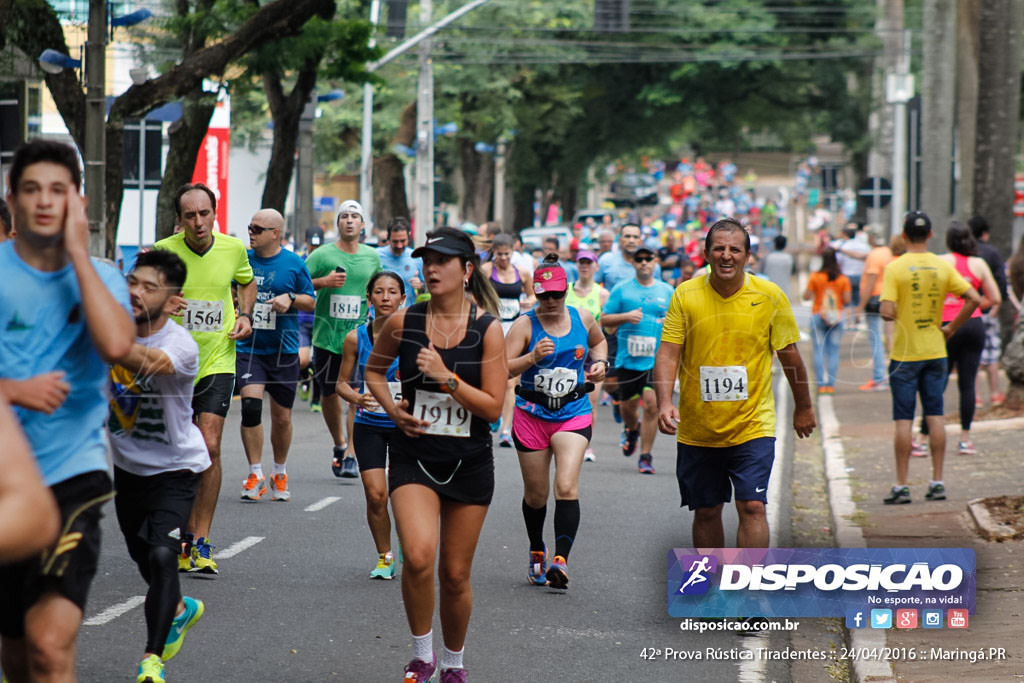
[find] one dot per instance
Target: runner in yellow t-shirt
(914, 287)
(719, 336)
(213, 261)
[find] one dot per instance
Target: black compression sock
(534, 518)
(567, 522)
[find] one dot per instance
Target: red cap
(574, 244)
(549, 279)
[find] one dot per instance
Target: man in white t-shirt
(158, 452)
(851, 252)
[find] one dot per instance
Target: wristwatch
(291, 295)
(451, 384)
(245, 315)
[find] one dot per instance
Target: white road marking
(321, 504)
(234, 549)
(114, 611)
(754, 670)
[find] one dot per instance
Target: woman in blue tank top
(553, 417)
(441, 472)
(372, 431)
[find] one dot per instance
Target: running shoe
(936, 492)
(644, 466)
(872, 385)
(505, 440)
(557, 575)
(919, 450)
(315, 408)
(194, 611)
(279, 487)
(339, 456)
(385, 568)
(628, 441)
(997, 399)
(418, 671)
(151, 670)
(588, 455)
(616, 413)
(185, 559)
(823, 390)
(304, 391)
(495, 426)
(349, 468)
(453, 676)
(900, 495)
(535, 572)
(966, 448)
(254, 487)
(202, 557)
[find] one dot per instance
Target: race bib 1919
(346, 307)
(723, 383)
(445, 415)
(203, 316)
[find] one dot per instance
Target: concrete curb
(988, 527)
(848, 535)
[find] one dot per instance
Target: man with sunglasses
(636, 311)
(340, 273)
(269, 359)
(213, 261)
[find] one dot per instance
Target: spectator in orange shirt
(830, 290)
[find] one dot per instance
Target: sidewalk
(860, 426)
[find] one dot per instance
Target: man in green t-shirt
(213, 260)
(340, 273)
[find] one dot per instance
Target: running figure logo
(696, 581)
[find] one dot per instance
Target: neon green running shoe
(151, 670)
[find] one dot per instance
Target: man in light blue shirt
(614, 267)
(636, 310)
(397, 257)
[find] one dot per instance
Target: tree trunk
(286, 112)
(388, 173)
(186, 136)
(938, 101)
(477, 173)
(1013, 363)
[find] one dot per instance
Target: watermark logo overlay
(822, 582)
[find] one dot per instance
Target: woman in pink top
(964, 348)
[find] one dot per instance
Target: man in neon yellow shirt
(213, 260)
(914, 288)
(719, 336)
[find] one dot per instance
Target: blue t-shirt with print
(278, 333)
(638, 342)
(42, 329)
(613, 269)
(405, 266)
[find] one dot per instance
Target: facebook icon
(855, 619)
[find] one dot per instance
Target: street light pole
(95, 126)
(425, 134)
(366, 157)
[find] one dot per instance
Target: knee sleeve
(252, 411)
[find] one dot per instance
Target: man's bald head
(268, 218)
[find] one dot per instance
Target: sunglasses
(551, 296)
(256, 229)
(643, 259)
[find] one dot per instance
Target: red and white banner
(212, 161)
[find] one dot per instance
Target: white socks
(279, 469)
(423, 646)
(257, 469)
(451, 660)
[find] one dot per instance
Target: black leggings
(964, 352)
(161, 573)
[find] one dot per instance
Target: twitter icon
(881, 618)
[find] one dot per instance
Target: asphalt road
(294, 602)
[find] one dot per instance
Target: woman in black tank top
(441, 475)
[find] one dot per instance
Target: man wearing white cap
(340, 273)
